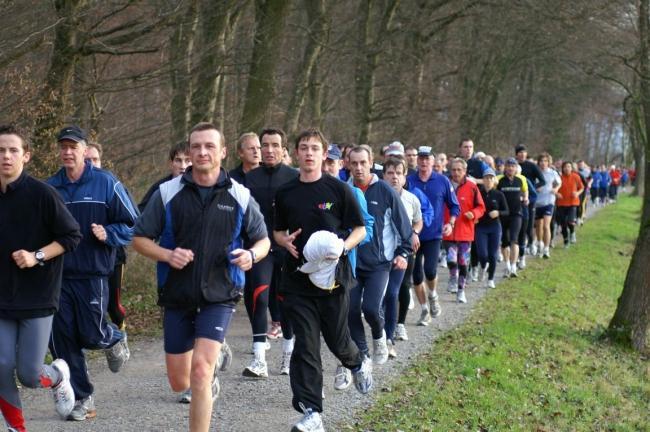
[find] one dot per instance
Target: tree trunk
(181, 51)
(318, 24)
(632, 314)
(269, 25)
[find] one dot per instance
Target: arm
(122, 215)
(354, 238)
(25, 259)
(453, 206)
(541, 181)
(177, 258)
(479, 205)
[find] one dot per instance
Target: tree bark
(632, 314)
(269, 24)
(317, 23)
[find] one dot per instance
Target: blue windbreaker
(439, 190)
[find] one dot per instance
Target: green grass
(533, 355)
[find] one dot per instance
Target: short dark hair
(410, 147)
(204, 126)
(98, 146)
(394, 162)
(464, 139)
(312, 133)
(179, 147)
(275, 131)
(11, 129)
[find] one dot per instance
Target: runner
(260, 292)
(420, 213)
(30, 280)
(106, 216)
(179, 160)
(568, 200)
(389, 247)
(545, 204)
(603, 185)
(316, 202)
(248, 151)
(488, 229)
(515, 189)
(439, 191)
(460, 239)
(531, 171)
(411, 156)
(203, 203)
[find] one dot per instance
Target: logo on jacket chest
(326, 206)
(225, 207)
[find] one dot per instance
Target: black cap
(72, 133)
(520, 148)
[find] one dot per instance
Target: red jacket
(616, 177)
(470, 200)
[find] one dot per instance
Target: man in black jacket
(37, 229)
(199, 218)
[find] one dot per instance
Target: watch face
(40, 255)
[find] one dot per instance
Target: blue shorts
(181, 327)
(542, 211)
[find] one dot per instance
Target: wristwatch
(40, 257)
(253, 255)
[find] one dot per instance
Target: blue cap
(511, 161)
(489, 172)
(498, 161)
(72, 133)
(334, 152)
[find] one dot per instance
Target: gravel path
(139, 398)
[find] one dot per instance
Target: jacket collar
(61, 179)
(223, 180)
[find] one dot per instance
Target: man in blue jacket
(440, 192)
(390, 246)
(106, 216)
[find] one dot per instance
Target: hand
(447, 229)
(525, 201)
(242, 259)
(575, 194)
(558, 195)
(469, 215)
(99, 232)
(494, 214)
(179, 258)
(287, 242)
(24, 259)
(400, 263)
(415, 242)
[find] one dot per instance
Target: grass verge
(532, 356)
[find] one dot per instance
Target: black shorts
(542, 211)
(566, 215)
(510, 227)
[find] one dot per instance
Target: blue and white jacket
(440, 192)
(211, 226)
(391, 233)
(96, 198)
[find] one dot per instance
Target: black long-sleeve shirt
(494, 200)
(32, 215)
(532, 172)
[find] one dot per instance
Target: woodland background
(552, 74)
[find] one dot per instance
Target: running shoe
(482, 273)
(547, 253)
(507, 271)
(342, 378)
(460, 296)
(391, 349)
(540, 250)
(62, 392)
(452, 284)
(533, 249)
(425, 318)
(276, 330)
(574, 239)
(380, 350)
(521, 264)
(310, 421)
(500, 257)
(185, 396)
(513, 272)
(363, 376)
(117, 355)
(490, 283)
(474, 274)
(434, 306)
(566, 244)
(224, 360)
(286, 362)
(257, 369)
(83, 409)
(400, 332)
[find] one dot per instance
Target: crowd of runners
(345, 237)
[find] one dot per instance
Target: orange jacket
(570, 184)
(470, 200)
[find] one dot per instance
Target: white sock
(287, 344)
(425, 307)
(259, 349)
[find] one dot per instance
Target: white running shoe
(310, 421)
(460, 296)
(425, 318)
(216, 387)
(533, 249)
(257, 369)
(83, 409)
(547, 253)
(500, 257)
(400, 332)
(62, 392)
(574, 239)
(224, 360)
(380, 350)
(185, 396)
(513, 272)
(434, 306)
(452, 284)
(474, 274)
(342, 378)
(118, 355)
(286, 362)
(392, 353)
(507, 271)
(482, 273)
(363, 377)
(521, 264)
(490, 283)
